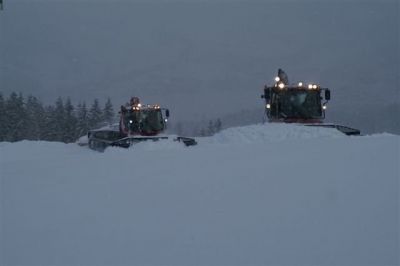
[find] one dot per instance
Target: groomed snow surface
(255, 195)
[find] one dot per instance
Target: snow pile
(272, 133)
(316, 199)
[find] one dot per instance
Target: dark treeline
(28, 119)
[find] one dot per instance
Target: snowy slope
(256, 195)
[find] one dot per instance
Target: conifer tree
(16, 117)
(211, 128)
(83, 120)
(108, 112)
(218, 125)
(35, 123)
(51, 125)
(3, 118)
(59, 116)
(95, 115)
(70, 123)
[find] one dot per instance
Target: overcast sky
(199, 58)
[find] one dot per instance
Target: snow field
(256, 195)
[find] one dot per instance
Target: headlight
(314, 86)
(300, 84)
(324, 107)
(268, 106)
(130, 121)
(310, 86)
(281, 85)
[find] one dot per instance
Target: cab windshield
(151, 120)
(299, 104)
(147, 121)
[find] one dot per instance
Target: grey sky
(199, 58)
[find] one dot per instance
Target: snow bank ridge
(272, 133)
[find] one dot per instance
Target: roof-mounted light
(277, 79)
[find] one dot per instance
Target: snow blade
(186, 141)
(99, 140)
(101, 144)
(345, 130)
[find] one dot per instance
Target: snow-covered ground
(255, 195)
